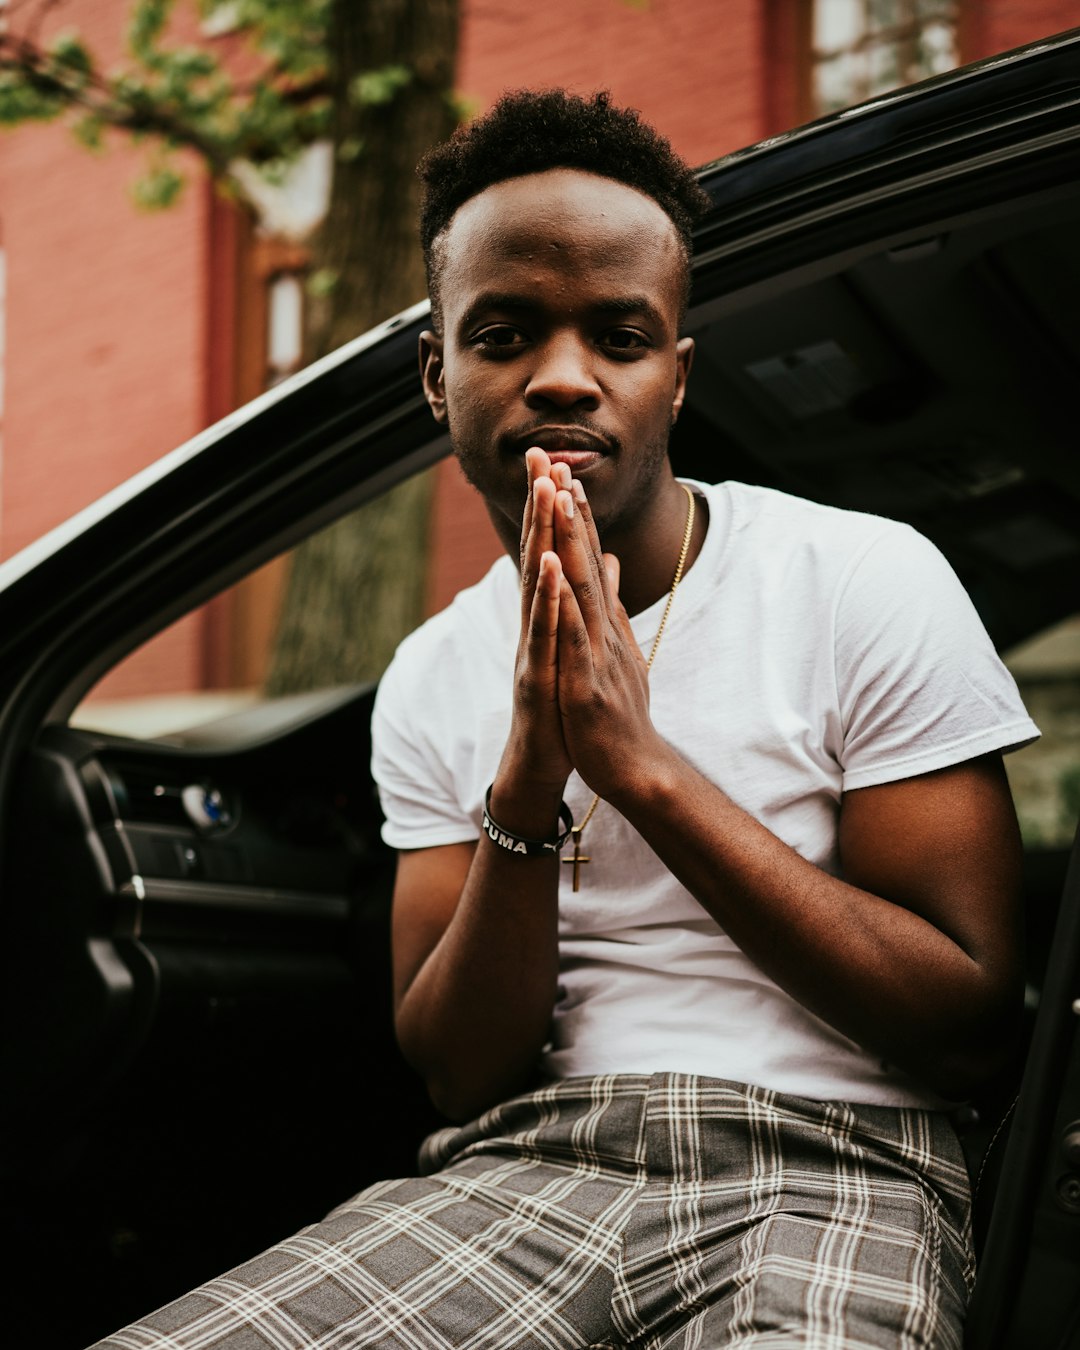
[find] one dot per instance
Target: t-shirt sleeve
(415, 780)
(920, 686)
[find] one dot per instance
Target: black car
(198, 1051)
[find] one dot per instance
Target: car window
(1045, 777)
(323, 615)
(169, 684)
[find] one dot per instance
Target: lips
(574, 446)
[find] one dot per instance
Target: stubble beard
(475, 465)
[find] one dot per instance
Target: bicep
(946, 846)
(426, 893)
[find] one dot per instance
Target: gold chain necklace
(577, 831)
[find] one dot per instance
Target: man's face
(561, 295)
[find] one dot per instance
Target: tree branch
(229, 125)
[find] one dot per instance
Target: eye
(626, 340)
(498, 338)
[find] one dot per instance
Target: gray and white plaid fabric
(660, 1213)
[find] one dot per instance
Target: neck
(648, 548)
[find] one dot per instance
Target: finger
(613, 569)
(591, 540)
(574, 646)
(543, 627)
(537, 465)
(584, 508)
(561, 475)
(540, 540)
(537, 462)
(582, 567)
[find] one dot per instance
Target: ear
(431, 373)
(684, 357)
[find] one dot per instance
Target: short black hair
(530, 131)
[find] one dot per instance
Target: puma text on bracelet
(513, 843)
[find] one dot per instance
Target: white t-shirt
(809, 651)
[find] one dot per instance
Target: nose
(563, 374)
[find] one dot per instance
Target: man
(702, 1059)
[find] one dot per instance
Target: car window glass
(1045, 777)
(315, 618)
(207, 665)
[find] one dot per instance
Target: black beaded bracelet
(514, 843)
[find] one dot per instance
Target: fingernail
(577, 490)
(568, 505)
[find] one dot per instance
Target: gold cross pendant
(576, 861)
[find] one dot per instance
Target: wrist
(648, 781)
(535, 755)
(525, 803)
(522, 845)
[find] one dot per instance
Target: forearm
(917, 990)
(476, 951)
(476, 1014)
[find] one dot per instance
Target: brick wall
(106, 324)
(993, 26)
(105, 345)
(105, 363)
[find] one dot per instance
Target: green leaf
(158, 188)
(463, 108)
(350, 149)
(67, 50)
(89, 131)
(148, 20)
(375, 88)
(274, 171)
(1069, 786)
(22, 101)
(321, 283)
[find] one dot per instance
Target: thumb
(611, 566)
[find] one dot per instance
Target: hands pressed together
(476, 929)
(581, 691)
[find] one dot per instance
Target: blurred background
(196, 199)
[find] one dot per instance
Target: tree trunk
(358, 587)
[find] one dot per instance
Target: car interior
(931, 380)
(200, 1054)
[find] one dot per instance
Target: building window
(284, 327)
(861, 48)
(271, 303)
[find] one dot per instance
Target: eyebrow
(516, 301)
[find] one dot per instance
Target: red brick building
(122, 334)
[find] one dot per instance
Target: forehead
(583, 228)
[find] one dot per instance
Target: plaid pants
(660, 1213)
